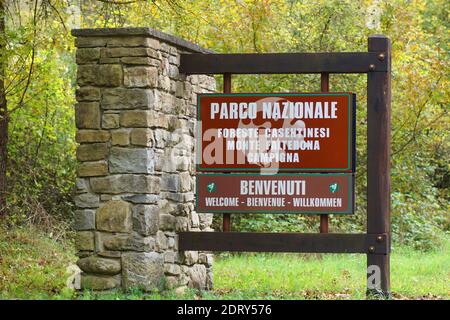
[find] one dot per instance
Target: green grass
(33, 266)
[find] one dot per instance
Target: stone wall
(135, 116)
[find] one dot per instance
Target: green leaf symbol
(334, 187)
(211, 187)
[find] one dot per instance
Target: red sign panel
(280, 193)
(276, 132)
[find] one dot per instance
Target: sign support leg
(324, 87)
(378, 156)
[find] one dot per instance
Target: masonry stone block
(99, 283)
(198, 277)
(89, 42)
(107, 75)
(84, 219)
(162, 138)
(92, 151)
(86, 200)
(120, 52)
(167, 221)
(171, 243)
(172, 269)
(205, 258)
(99, 265)
(110, 121)
(127, 242)
(146, 219)
(140, 77)
(170, 257)
(86, 136)
(81, 185)
(126, 98)
(161, 241)
(186, 182)
(179, 196)
(195, 222)
(131, 160)
(84, 241)
(122, 183)
(87, 55)
(88, 94)
(190, 257)
(120, 137)
(142, 137)
(93, 169)
(143, 270)
(87, 115)
(170, 182)
(146, 61)
(105, 60)
(133, 41)
(142, 198)
(143, 119)
(171, 283)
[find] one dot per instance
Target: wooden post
(4, 116)
(226, 89)
(324, 87)
(378, 154)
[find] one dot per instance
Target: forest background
(38, 71)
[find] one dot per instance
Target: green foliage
(40, 94)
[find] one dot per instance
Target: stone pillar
(136, 116)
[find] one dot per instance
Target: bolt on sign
(290, 132)
(280, 193)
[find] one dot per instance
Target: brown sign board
(285, 132)
(281, 193)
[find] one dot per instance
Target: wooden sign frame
(375, 243)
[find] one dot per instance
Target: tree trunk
(4, 119)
